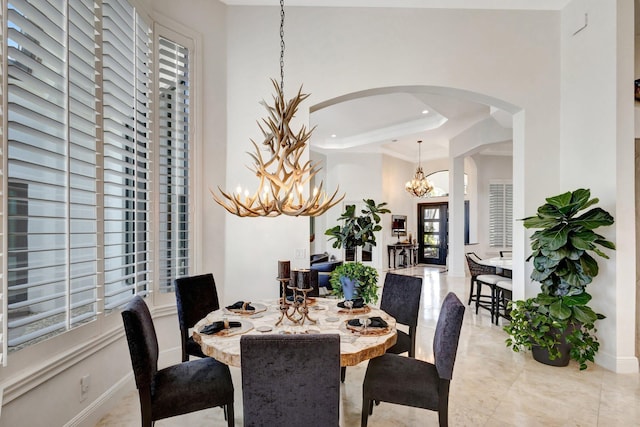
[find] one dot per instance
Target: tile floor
(492, 386)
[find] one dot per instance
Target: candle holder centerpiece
(296, 309)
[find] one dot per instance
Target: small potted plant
(558, 324)
(357, 279)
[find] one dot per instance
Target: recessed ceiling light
(425, 111)
(333, 135)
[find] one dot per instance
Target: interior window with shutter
(126, 86)
(51, 168)
(3, 288)
(500, 214)
(174, 137)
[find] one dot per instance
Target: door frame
(444, 231)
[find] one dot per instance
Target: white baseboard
(93, 412)
(112, 397)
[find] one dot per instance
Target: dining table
(503, 265)
(324, 316)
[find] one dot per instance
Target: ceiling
(393, 122)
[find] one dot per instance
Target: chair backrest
(475, 268)
(401, 298)
(445, 340)
(196, 297)
(506, 254)
(290, 379)
(142, 340)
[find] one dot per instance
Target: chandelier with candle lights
(282, 175)
(419, 186)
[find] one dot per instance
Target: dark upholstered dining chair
(196, 296)
(178, 389)
(416, 383)
(290, 380)
(401, 299)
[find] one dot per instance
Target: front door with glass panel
(432, 233)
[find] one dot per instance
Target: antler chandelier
(419, 186)
(282, 177)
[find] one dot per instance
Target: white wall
(502, 55)
(395, 173)
(597, 152)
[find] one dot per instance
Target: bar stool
(504, 294)
(482, 275)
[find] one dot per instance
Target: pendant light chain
(282, 46)
(280, 166)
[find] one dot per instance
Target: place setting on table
(365, 331)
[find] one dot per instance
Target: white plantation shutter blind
(174, 136)
(500, 214)
(51, 168)
(126, 83)
(3, 188)
(75, 164)
(83, 238)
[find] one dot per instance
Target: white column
(456, 258)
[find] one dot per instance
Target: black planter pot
(541, 354)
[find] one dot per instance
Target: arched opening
(379, 127)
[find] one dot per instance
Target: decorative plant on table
(559, 318)
(357, 231)
(355, 280)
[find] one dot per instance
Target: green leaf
(582, 239)
(544, 299)
(607, 244)
(589, 265)
(559, 310)
(560, 200)
(596, 217)
(539, 222)
(555, 237)
(580, 299)
(579, 199)
(584, 314)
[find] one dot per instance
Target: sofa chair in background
(324, 270)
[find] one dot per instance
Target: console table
(397, 248)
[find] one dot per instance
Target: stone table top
(355, 347)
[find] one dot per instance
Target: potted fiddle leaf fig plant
(558, 324)
(354, 279)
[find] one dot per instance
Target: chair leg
(470, 291)
(494, 304)
(443, 404)
(364, 418)
(478, 293)
(228, 410)
(343, 373)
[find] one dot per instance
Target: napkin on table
(218, 326)
(241, 305)
(357, 303)
(374, 322)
